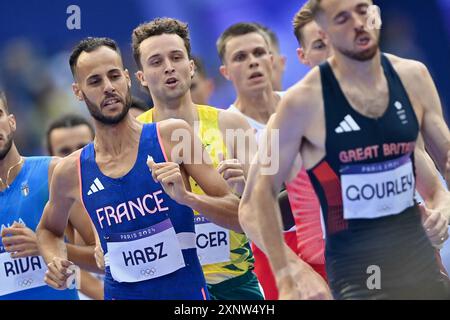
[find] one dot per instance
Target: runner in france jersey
(148, 238)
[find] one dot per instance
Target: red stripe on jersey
(306, 210)
(331, 186)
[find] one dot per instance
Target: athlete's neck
(260, 106)
(9, 161)
(116, 139)
(182, 108)
(366, 73)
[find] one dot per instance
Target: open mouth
(171, 81)
(111, 101)
(363, 40)
(256, 75)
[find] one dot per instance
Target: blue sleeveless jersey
(24, 202)
(130, 211)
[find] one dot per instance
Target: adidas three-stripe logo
(95, 187)
(347, 125)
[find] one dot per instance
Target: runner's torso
(366, 185)
(224, 254)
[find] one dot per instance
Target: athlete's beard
(95, 112)
(9, 142)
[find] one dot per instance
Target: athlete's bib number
(20, 274)
(372, 191)
(212, 241)
(144, 254)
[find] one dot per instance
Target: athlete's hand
(99, 257)
(20, 241)
(287, 288)
(169, 175)
(310, 284)
(58, 273)
(232, 171)
(435, 224)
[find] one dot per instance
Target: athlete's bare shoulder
(66, 174)
(306, 95)
(232, 120)
(413, 73)
(167, 127)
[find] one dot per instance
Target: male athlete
(245, 53)
(355, 121)
(162, 53)
(24, 189)
(143, 218)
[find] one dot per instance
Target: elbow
(247, 212)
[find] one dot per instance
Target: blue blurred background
(35, 44)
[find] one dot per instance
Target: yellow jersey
(215, 243)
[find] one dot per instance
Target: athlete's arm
(50, 231)
(218, 204)
(239, 138)
(259, 213)
(241, 147)
(81, 255)
(437, 199)
(434, 129)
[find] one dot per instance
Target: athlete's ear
(140, 76)
(77, 91)
(192, 67)
(12, 122)
(301, 56)
(127, 75)
(224, 72)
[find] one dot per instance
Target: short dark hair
(3, 101)
(158, 27)
(67, 121)
(139, 104)
(199, 66)
(88, 45)
(235, 30)
(271, 34)
(303, 17)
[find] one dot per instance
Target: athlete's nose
(108, 86)
(360, 21)
(253, 61)
(169, 67)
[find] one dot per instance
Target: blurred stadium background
(35, 44)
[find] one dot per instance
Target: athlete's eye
(259, 52)
(155, 62)
(93, 81)
(116, 76)
(319, 45)
(362, 10)
(342, 18)
(240, 57)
